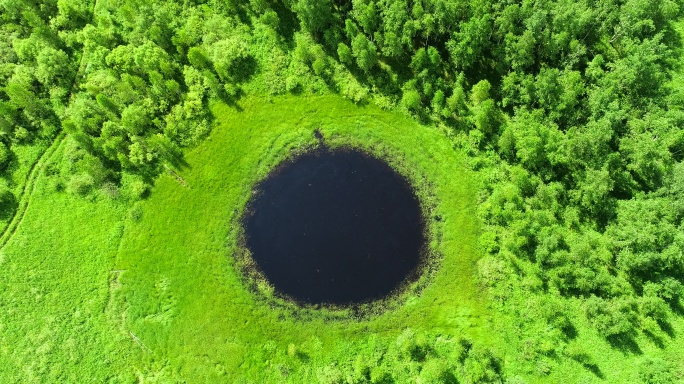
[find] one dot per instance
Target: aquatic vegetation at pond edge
(335, 227)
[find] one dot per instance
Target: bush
(80, 184)
(134, 187)
(344, 53)
(615, 317)
(232, 60)
(482, 366)
(330, 374)
(410, 100)
(436, 371)
(656, 371)
(135, 213)
(410, 346)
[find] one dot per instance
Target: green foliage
(198, 58)
(5, 156)
(306, 346)
(7, 199)
(344, 53)
(314, 15)
(410, 99)
(80, 183)
(570, 112)
(614, 318)
(656, 371)
(481, 366)
(365, 52)
(231, 59)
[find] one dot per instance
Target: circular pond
(335, 227)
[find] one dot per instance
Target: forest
(568, 114)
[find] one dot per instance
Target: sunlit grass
(55, 275)
(97, 289)
(185, 300)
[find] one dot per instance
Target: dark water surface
(335, 227)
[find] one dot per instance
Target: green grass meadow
(105, 289)
(54, 291)
(544, 141)
(182, 295)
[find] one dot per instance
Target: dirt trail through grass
(43, 160)
(29, 186)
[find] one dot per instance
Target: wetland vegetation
(335, 227)
(536, 149)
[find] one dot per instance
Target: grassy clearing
(26, 177)
(21, 166)
(98, 289)
(182, 296)
(54, 283)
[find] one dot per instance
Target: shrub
(410, 346)
(80, 184)
(482, 366)
(656, 371)
(330, 374)
(616, 317)
(436, 371)
(344, 53)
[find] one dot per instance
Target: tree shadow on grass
(232, 100)
(244, 69)
(302, 356)
(667, 328)
(625, 343)
(385, 379)
(8, 206)
(288, 23)
(657, 340)
(448, 378)
(569, 331)
(587, 362)
(593, 368)
(677, 307)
